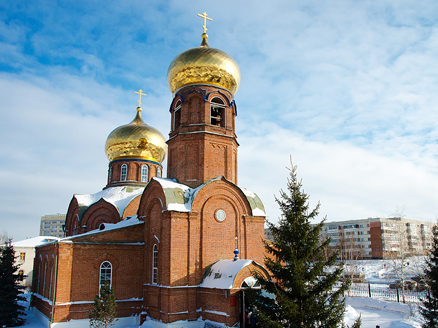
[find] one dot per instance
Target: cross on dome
(140, 93)
(204, 15)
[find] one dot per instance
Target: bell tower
(202, 142)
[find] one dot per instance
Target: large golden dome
(203, 65)
(136, 140)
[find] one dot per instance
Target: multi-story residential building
(51, 225)
(379, 237)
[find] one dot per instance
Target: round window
(220, 215)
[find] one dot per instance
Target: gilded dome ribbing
(136, 140)
(203, 65)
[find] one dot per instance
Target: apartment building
(51, 225)
(377, 238)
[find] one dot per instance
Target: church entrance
(247, 316)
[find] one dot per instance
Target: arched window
(39, 276)
(217, 116)
(177, 115)
(159, 172)
(44, 281)
(75, 228)
(110, 172)
(123, 172)
(105, 273)
(50, 286)
(252, 283)
(155, 264)
(144, 173)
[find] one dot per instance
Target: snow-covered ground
(383, 314)
(382, 271)
(373, 312)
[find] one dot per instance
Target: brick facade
(199, 150)
(182, 226)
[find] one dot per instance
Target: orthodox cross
(140, 93)
(204, 15)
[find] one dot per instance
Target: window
(105, 273)
(20, 275)
(123, 172)
(159, 172)
(22, 256)
(217, 116)
(155, 264)
(50, 287)
(44, 281)
(144, 173)
(177, 115)
(110, 172)
(39, 276)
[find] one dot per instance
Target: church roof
(179, 197)
(221, 274)
(104, 227)
(35, 241)
(120, 197)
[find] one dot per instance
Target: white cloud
(347, 88)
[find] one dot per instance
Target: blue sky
(348, 89)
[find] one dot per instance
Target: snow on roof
(179, 197)
(254, 201)
(222, 273)
(129, 221)
(120, 197)
(35, 241)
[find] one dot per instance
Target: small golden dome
(203, 65)
(136, 140)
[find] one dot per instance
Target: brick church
(180, 250)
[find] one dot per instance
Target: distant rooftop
(35, 241)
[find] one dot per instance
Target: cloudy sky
(347, 88)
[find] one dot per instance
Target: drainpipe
(54, 285)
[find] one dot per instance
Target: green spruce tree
(11, 312)
(104, 312)
(303, 278)
(429, 310)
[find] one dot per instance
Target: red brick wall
(376, 240)
(199, 151)
(79, 268)
(72, 217)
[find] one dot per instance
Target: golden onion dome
(136, 140)
(203, 65)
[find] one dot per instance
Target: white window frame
(123, 172)
(105, 268)
(155, 264)
(175, 113)
(144, 173)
